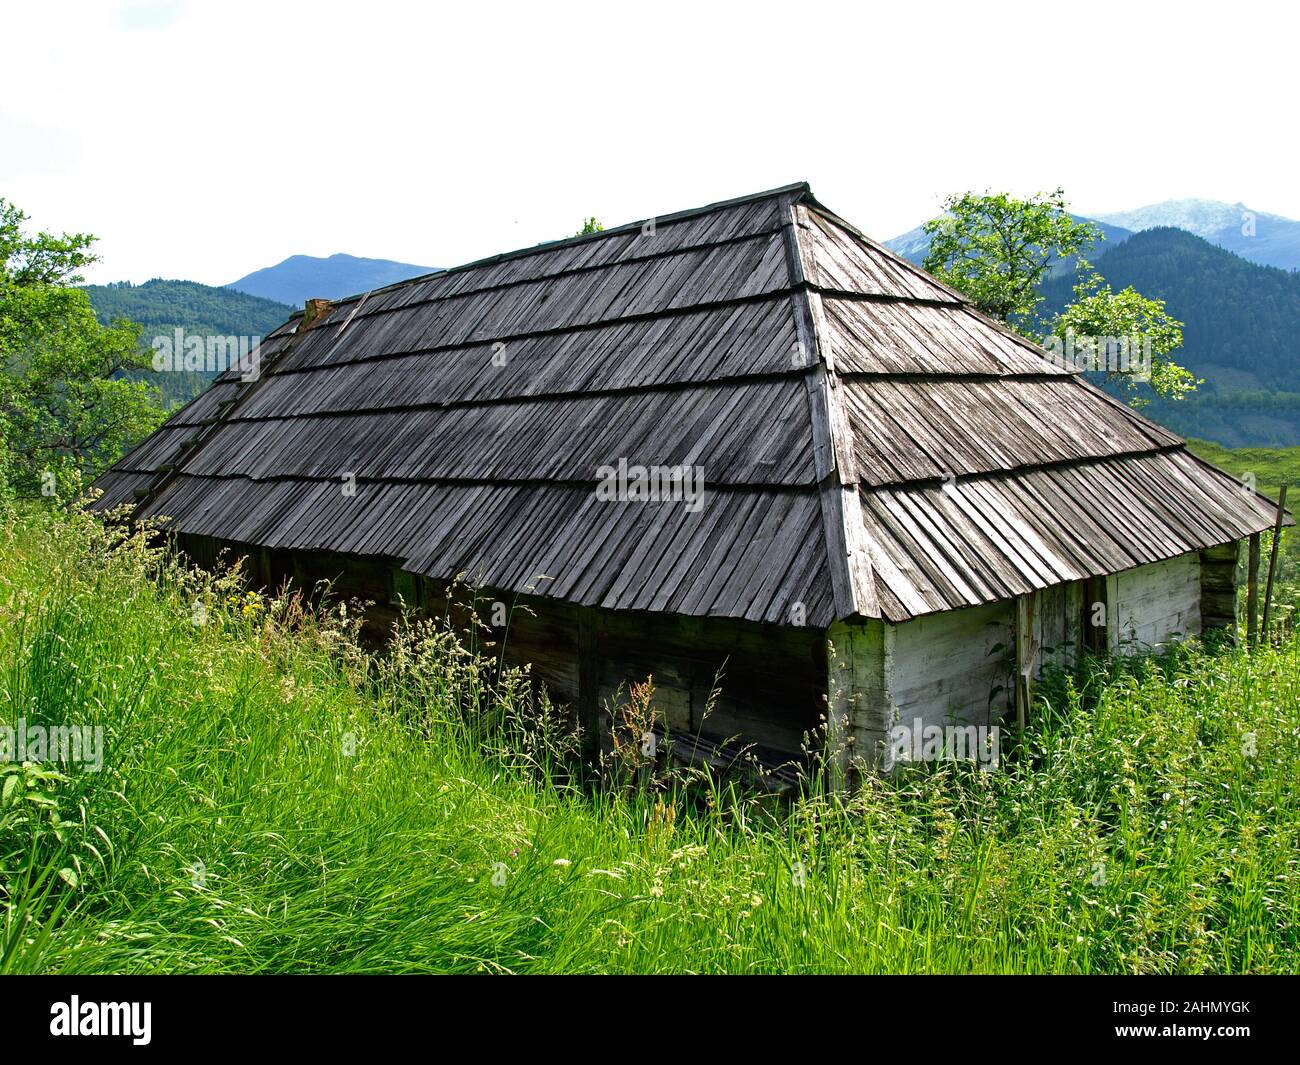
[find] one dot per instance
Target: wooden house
(903, 510)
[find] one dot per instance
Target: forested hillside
(1261, 237)
(199, 310)
(1239, 334)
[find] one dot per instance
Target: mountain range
(1266, 239)
(303, 277)
(1257, 236)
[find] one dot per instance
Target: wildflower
(561, 862)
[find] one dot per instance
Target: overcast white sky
(203, 140)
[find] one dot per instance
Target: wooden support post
(1252, 591)
(589, 683)
(1026, 659)
(841, 703)
(1272, 559)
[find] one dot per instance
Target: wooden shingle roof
(871, 446)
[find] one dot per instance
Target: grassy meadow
(1271, 468)
(272, 799)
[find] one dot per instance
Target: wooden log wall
(770, 680)
(777, 687)
(767, 682)
(1220, 579)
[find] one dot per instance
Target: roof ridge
(801, 187)
(879, 249)
(853, 587)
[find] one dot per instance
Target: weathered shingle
(996, 536)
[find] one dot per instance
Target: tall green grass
(272, 799)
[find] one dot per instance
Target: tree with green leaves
(590, 225)
(65, 410)
(1139, 326)
(998, 250)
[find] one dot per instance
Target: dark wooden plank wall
(1220, 579)
(770, 680)
(767, 682)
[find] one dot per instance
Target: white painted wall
(950, 668)
(957, 667)
(1152, 605)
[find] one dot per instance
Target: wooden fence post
(1026, 659)
(1272, 559)
(1252, 592)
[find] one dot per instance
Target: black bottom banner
(337, 1013)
